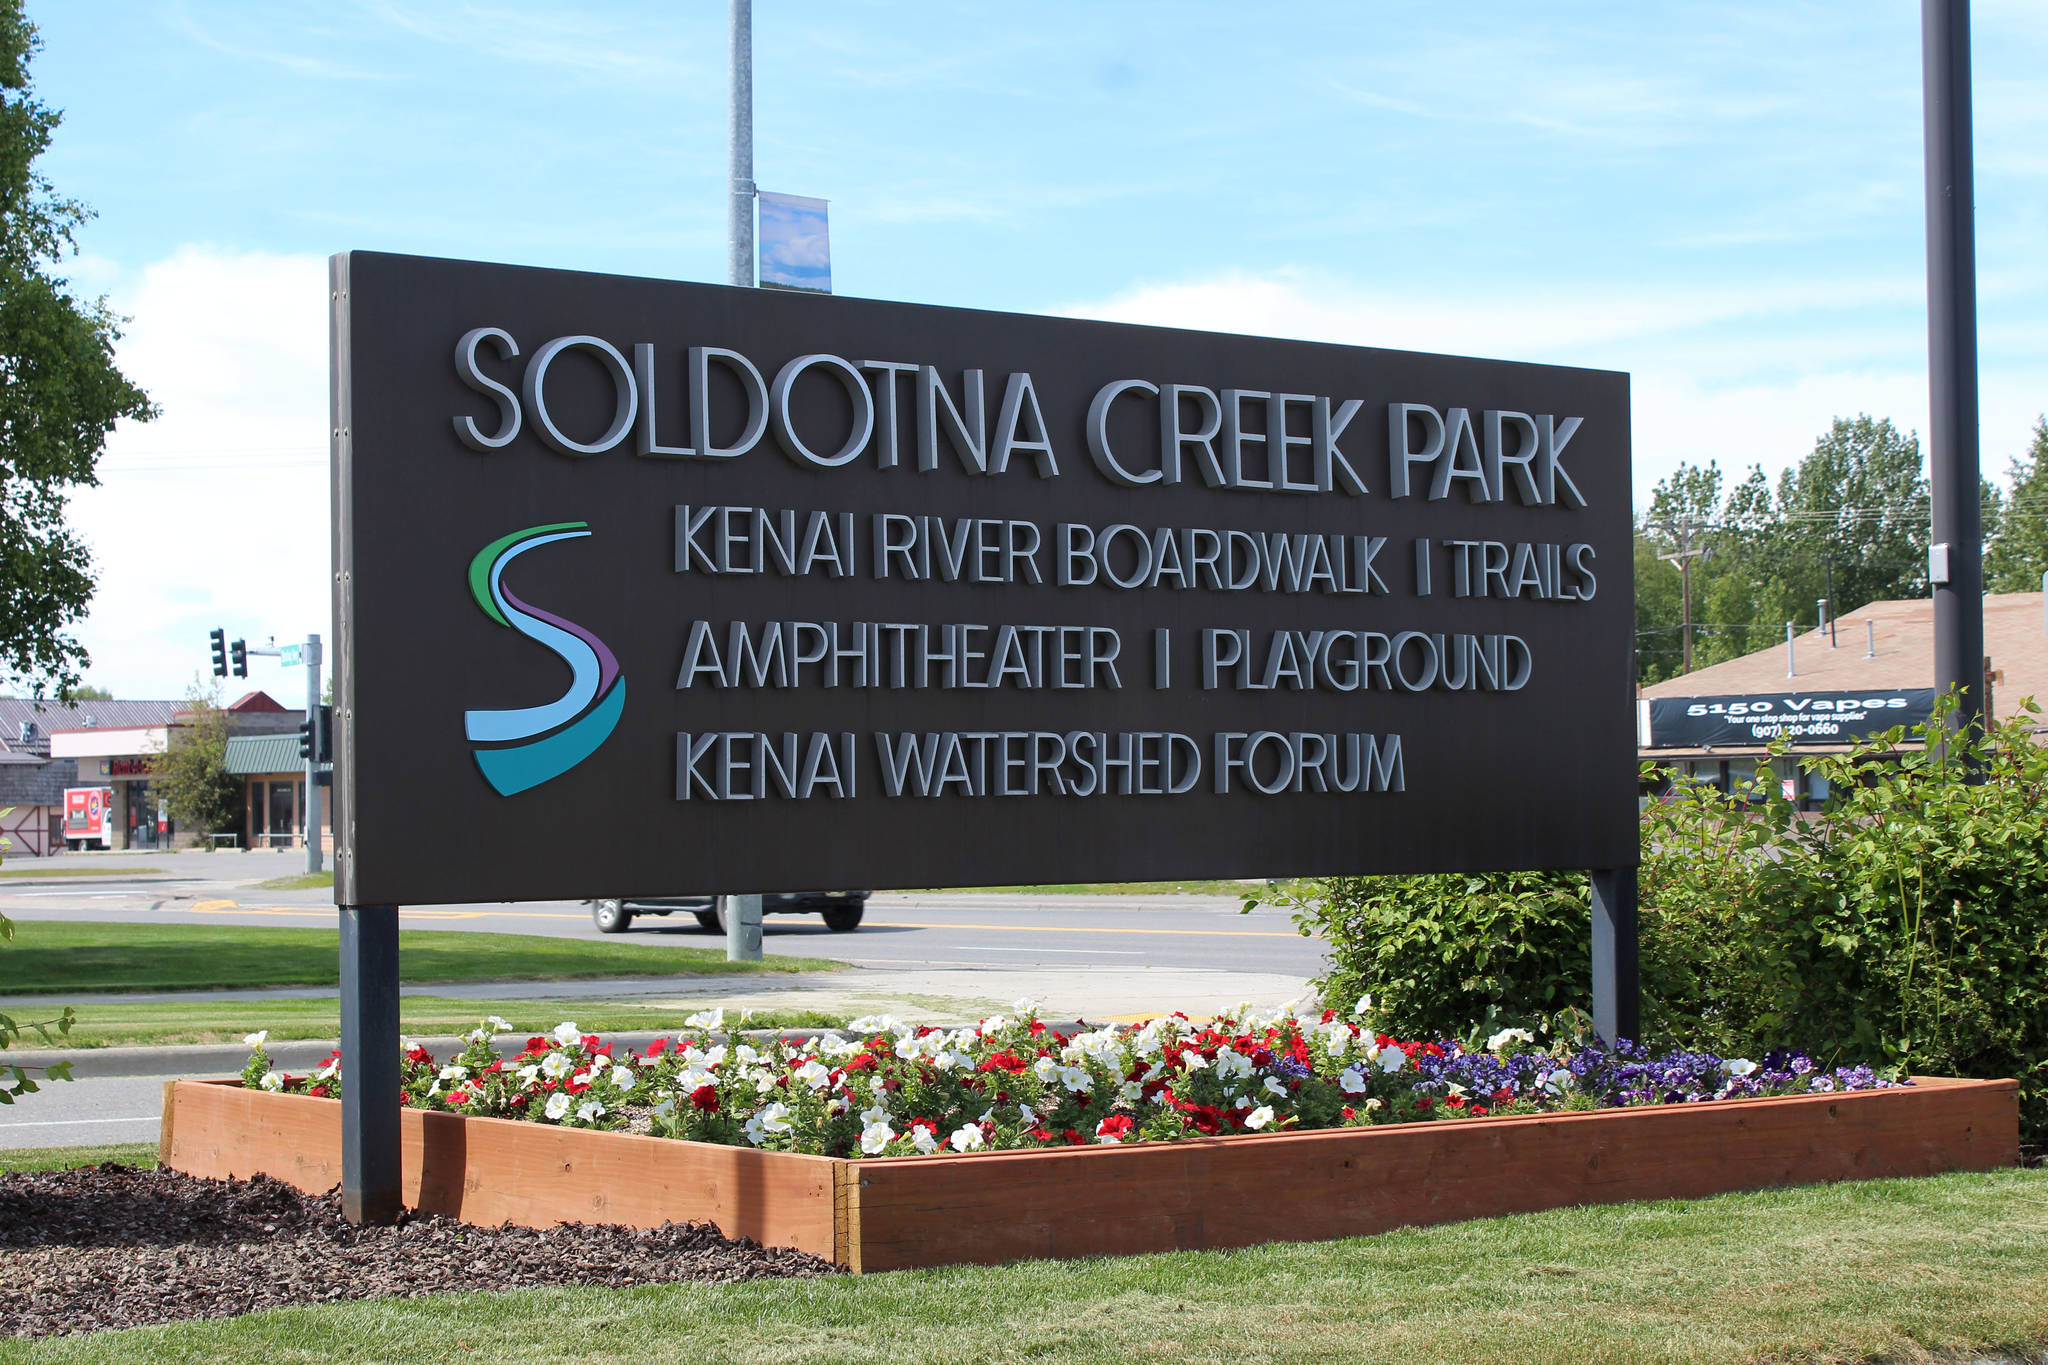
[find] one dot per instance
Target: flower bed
(987, 1160)
(889, 1089)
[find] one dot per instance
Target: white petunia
(1509, 1035)
(1192, 1061)
(554, 1066)
(814, 1074)
(558, 1105)
(710, 1020)
(1231, 1063)
(273, 1080)
(1075, 1079)
(1025, 1007)
(1243, 1102)
(1391, 1059)
(1364, 1005)
(498, 1025)
(528, 1074)
(454, 1073)
(256, 1039)
(327, 1068)
(875, 1136)
(1259, 1117)
(1130, 1092)
(1275, 1086)
(966, 1138)
(995, 1023)
(566, 1033)
(623, 1078)
(1740, 1066)
(1046, 1069)
(873, 1115)
(744, 1054)
(921, 1138)
(1352, 1081)
(775, 1118)
(589, 1111)
(1027, 1116)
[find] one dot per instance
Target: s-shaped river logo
(542, 742)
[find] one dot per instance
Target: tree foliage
(2016, 548)
(191, 773)
(60, 391)
(1854, 511)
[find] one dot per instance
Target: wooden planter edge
(894, 1213)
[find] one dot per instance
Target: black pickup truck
(842, 909)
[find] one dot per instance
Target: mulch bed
(114, 1246)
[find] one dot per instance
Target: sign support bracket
(370, 1176)
(1617, 986)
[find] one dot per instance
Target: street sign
(288, 655)
(854, 593)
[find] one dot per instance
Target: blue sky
(1724, 199)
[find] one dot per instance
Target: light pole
(1955, 559)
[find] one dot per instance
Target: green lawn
(64, 1158)
(1899, 1270)
(1195, 888)
(58, 957)
(202, 1020)
(304, 881)
(111, 870)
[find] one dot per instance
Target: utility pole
(739, 256)
(741, 914)
(1682, 531)
(1955, 559)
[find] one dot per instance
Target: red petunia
(1074, 1139)
(1116, 1126)
(705, 1097)
(536, 1044)
(657, 1047)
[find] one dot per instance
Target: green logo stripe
(480, 567)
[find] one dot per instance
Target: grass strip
(1236, 890)
(43, 873)
(1899, 1270)
(305, 881)
(53, 957)
(201, 1020)
(65, 1158)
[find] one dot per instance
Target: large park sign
(647, 587)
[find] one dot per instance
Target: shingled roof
(47, 715)
(2015, 638)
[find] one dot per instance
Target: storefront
(1871, 672)
(274, 792)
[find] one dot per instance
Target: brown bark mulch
(113, 1246)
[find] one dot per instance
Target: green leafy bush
(1906, 925)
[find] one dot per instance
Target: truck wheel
(843, 919)
(611, 917)
(710, 919)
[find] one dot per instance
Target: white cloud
(1739, 375)
(215, 514)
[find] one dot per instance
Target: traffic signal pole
(310, 652)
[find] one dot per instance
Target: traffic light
(220, 652)
(241, 658)
(323, 742)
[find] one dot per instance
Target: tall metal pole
(1956, 558)
(739, 259)
(742, 914)
(312, 662)
(371, 1188)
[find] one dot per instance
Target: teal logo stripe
(528, 765)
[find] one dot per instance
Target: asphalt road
(1104, 942)
(907, 928)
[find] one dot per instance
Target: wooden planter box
(892, 1214)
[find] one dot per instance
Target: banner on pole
(796, 244)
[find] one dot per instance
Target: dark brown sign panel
(654, 588)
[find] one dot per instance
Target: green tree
(60, 391)
(1854, 510)
(2016, 550)
(192, 771)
